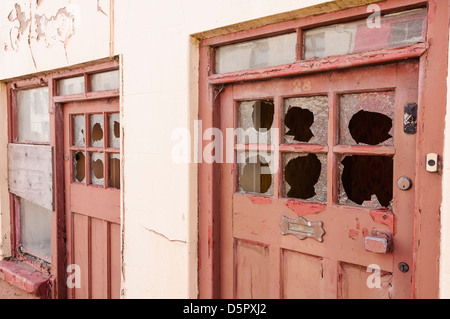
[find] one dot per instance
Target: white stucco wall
(445, 210)
(160, 89)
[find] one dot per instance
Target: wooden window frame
(432, 70)
(57, 267)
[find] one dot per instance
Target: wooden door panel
(99, 258)
(353, 284)
(252, 244)
(94, 202)
(301, 276)
(252, 264)
(115, 240)
(79, 242)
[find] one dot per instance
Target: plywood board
(30, 169)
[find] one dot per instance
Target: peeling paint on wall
(27, 23)
(32, 26)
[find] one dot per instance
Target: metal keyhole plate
(404, 183)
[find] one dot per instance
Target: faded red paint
(324, 64)
(353, 234)
(365, 232)
(304, 209)
(259, 200)
(25, 277)
(384, 218)
(411, 153)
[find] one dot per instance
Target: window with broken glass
(363, 119)
(31, 143)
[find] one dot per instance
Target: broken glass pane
(256, 173)
(366, 181)
(114, 171)
(97, 133)
(97, 169)
(256, 120)
(306, 120)
(367, 118)
(33, 119)
(255, 54)
(395, 30)
(79, 128)
(305, 177)
(79, 167)
(71, 86)
(114, 130)
(105, 81)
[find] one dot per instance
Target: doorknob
(379, 243)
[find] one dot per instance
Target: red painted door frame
(432, 102)
(58, 263)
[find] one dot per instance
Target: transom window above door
(393, 31)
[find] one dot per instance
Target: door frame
(428, 186)
(58, 264)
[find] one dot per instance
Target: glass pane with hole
(390, 31)
(97, 169)
(71, 86)
(366, 181)
(79, 130)
(79, 167)
(256, 119)
(36, 230)
(256, 173)
(33, 119)
(114, 171)
(105, 81)
(114, 130)
(367, 118)
(255, 54)
(306, 120)
(97, 130)
(305, 177)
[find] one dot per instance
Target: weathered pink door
(325, 211)
(92, 179)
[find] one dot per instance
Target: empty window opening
(302, 174)
(256, 176)
(263, 113)
(299, 122)
(256, 120)
(114, 171)
(97, 130)
(114, 130)
(79, 167)
(306, 120)
(367, 181)
(370, 128)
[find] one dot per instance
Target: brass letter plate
(302, 228)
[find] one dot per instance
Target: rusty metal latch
(302, 228)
